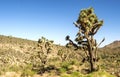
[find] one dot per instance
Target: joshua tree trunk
(90, 52)
(91, 59)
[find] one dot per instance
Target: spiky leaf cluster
(88, 21)
(88, 25)
(45, 44)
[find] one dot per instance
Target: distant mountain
(115, 44)
(112, 48)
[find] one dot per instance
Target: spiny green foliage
(88, 25)
(88, 21)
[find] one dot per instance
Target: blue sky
(53, 19)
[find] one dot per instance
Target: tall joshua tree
(88, 25)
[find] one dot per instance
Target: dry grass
(16, 58)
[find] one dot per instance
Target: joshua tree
(45, 47)
(88, 25)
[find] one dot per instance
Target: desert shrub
(76, 74)
(62, 70)
(65, 75)
(94, 74)
(27, 73)
(99, 74)
(25, 70)
(73, 74)
(63, 54)
(65, 65)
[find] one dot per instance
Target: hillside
(21, 57)
(111, 57)
(15, 40)
(115, 44)
(113, 47)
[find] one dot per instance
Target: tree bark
(90, 54)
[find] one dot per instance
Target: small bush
(76, 74)
(62, 70)
(99, 74)
(28, 72)
(94, 74)
(65, 65)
